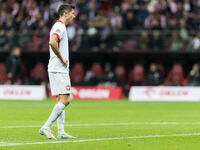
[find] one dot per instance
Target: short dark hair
(65, 7)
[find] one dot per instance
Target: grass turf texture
(127, 119)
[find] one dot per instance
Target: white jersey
(55, 65)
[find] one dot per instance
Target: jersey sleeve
(58, 31)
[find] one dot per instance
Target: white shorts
(59, 83)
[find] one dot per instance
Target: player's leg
(57, 99)
(61, 119)
(58, 85)
(65, 99)
(61, 122)
(57, 110)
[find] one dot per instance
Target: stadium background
(112, 42)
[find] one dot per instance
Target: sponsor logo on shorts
(68, 87)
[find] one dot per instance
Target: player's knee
(66, 102)
(65, 99)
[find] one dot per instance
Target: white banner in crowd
(164, 93)
(20, 92)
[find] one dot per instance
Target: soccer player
(58, 70)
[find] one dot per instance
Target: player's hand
(64, 62)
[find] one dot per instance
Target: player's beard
(71, 21)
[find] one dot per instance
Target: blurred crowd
(115, 25)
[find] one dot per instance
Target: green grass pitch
(103, 125)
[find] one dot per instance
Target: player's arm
(53, 42)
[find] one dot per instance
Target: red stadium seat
(2, 68)
(161, 68)
(137, 75)
(120, 73)
(97, 70)
(39, 71)
(77, 73)
(3, 75)
(44, 46)
(176, 76)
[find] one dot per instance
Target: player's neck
(63, 20)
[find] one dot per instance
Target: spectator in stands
(184, 35)
(91, 79)
(142, 14)
(125, 6)
(156, 41)
(154, 76)
(105, 38)
(194, 76)
(41, 33)
(144, 41)
(92, 7)
(33, 13)
(13, 66)
(179, 13)
(194, 44)
(10, 40)
(2, 38)
(83, 20)
(109, 78)
(116, 20)
(176, 43)
(173, 25)
(94, 76)
(55, 5)
(187, 5)
(129, 20)
(92, 39)
(131, 15)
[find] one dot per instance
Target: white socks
(60, 122)
(57, 110)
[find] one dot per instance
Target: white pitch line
(107, 124)
(98, 139)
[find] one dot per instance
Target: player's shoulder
(58, 25)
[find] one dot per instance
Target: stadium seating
(44, 47)
(77, 73)
(3, 76)
(120, 73)
(38, 72)
(176, 76)
(137, 75)
(97, 70)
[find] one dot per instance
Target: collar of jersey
(59, 21)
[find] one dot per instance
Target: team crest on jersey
(68, 87)
(58, 31)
